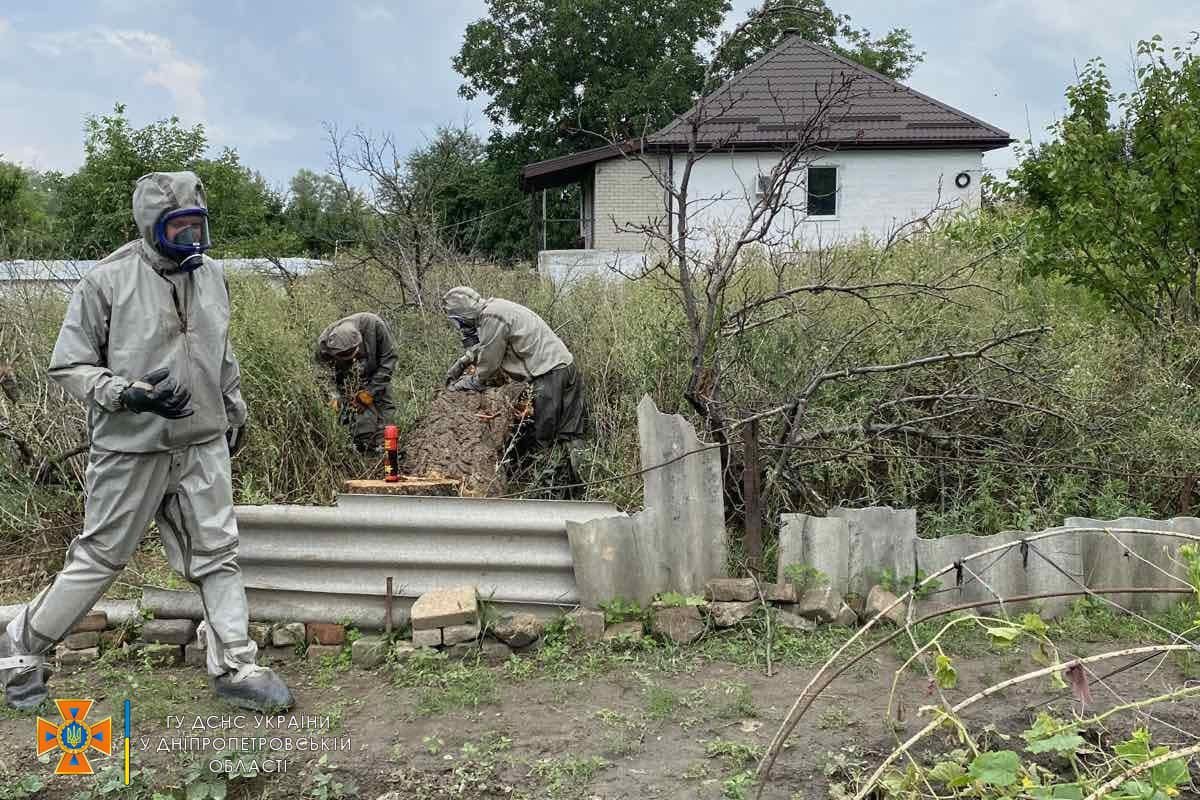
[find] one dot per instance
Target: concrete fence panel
(1135, 559)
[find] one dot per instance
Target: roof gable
(769, 100)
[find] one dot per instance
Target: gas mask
(468, 332)
(182, 236)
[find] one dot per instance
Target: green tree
(892, 54)
(93, 204)
(24, 218)
(322, 213)
(1116, 203)
(466, 193)
(551, 67)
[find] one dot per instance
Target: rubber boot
(23, 676)
(255, 688)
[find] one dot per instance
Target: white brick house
(881, 154)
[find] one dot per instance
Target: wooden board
(440, 487)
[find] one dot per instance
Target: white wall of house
(625, 194)
(877, 190)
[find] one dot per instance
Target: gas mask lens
(188, 231)
(183, 236)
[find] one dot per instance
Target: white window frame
(762, 182)
(837, 192)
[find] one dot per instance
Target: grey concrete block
(441, 607)
(518, 630)
(288, 635)
(820, 605)
(456, 634)
(881, 601)
(168, 631)
(119, 612)
(726, 615)
(682, 625)
(68, 657)
(428, 638)
(92, 621)
(588, 624)
(729, 590)
(82, 640)
(489, 652)
(368, 652)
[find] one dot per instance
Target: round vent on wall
(962, 180)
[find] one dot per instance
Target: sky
(267, 77)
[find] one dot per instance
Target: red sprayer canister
(391, 446)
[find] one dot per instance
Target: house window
(763, 187)
(822, 191)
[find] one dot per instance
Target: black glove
(235, 438)
(467, 384)
(458, 368)
(157, 393)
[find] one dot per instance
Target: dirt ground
(463, 436)
(645, 722)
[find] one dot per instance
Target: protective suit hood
(343, 337)
(464, 303)
(158, 193)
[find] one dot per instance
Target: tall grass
(1122, 406)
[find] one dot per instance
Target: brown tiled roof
(570, 168)
(764, 105)
(766, 102)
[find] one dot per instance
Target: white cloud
(5, 25)
(374, 12)
(1111, 28)
(163, 65)
(252, 132)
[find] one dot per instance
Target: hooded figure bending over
(359, 352)
(145, 347)
(500, 335)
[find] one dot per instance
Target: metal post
(543, 219)
(751, 494)
(387, 608)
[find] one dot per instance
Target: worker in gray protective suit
(515, 340)
(145, 347)
(358, 349)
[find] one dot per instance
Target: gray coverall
(126, 318)
(517, 341)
